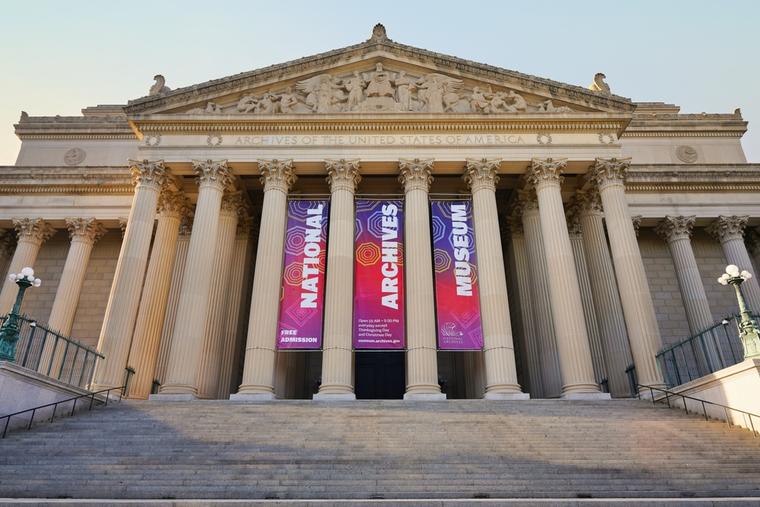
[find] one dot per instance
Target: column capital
(87, 230)
(233, 203)
(527, 200)
(33, 229)
(7, 242)
(214, 173)
(609, 171)
(123, 225)
(173, 203)
(546, 171)
(589, 201)
(514, 223)
(636, 221)
(726, 228)
(277, 174)
(481, 173)
(343, 174)
(673, 228)
(149, 173)
(416, 174)
(573, 217)
(186, 223)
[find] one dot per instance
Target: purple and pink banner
(303, 278)
(456, 276)
(379, 275)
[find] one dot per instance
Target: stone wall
(97, 286)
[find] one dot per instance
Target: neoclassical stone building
(592, 228)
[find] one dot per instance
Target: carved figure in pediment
(213, 107)
(322, 92)
(515, 103)
(479, 102)
(438, 92)
(247, 104)
(355, 88)
(548, 106)
(404, 89)
(380, 83)
(288, 101)
(268, 104)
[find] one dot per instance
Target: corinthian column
(84, 232)
(523, 282)
(170, 316)
(499, 353)
(730, 232)
(31, 233)
(640, 318)
(260, 354)
(119, 320)
(421, 350)
(150, 317)
(337, 356)
(604, 289)
(578, 380)
(192, 312)
(539, 290)
(209, 367)
(7, 246)
(589, 311)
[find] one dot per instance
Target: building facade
(598, 225)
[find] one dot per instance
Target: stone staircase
(464, 449)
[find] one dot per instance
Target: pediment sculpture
(381, 90)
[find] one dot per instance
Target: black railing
(54, 355)
(668, 395)
(711, 350)
(95, 398)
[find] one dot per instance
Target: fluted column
(119, 320)
(638, 309)
(498, 350)
(260, 354)
(589, 310)
(7, 247)
(175, 288)
(421, 349)
(30, 234)
(604, 289)
(564, 291)
(192, 313)
(337, 356)
(150, 317)
(539, 289)
(209, 367)
(236, 286)
(523, 282)
(729, 230)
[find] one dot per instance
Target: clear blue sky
(59, 57)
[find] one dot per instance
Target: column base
(252, 397)
(172, 397)
(507, 396)
(586, 396)
(334, 397)
(424, 396)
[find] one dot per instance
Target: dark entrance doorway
(380, 375)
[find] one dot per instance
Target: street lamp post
(10, 328)
(748, 330)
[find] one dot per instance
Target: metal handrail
(704, 403)
(34, 410)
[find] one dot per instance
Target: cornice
(65, 180)
(693, 178)
(377, 122)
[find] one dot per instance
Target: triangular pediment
(378, 76)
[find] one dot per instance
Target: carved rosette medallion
(343, 174)
(481, 174)
(726, 228)
(214, 140)
(152, 140)
(35, 230)
(149, 173)
(214, 173)
(416, 174)
(87, 230)
(686, 154)
(277, 174)
(74, 156)
(546, 171)
(605, 138)
(609, 171)
(544, 138)
(674, 228)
